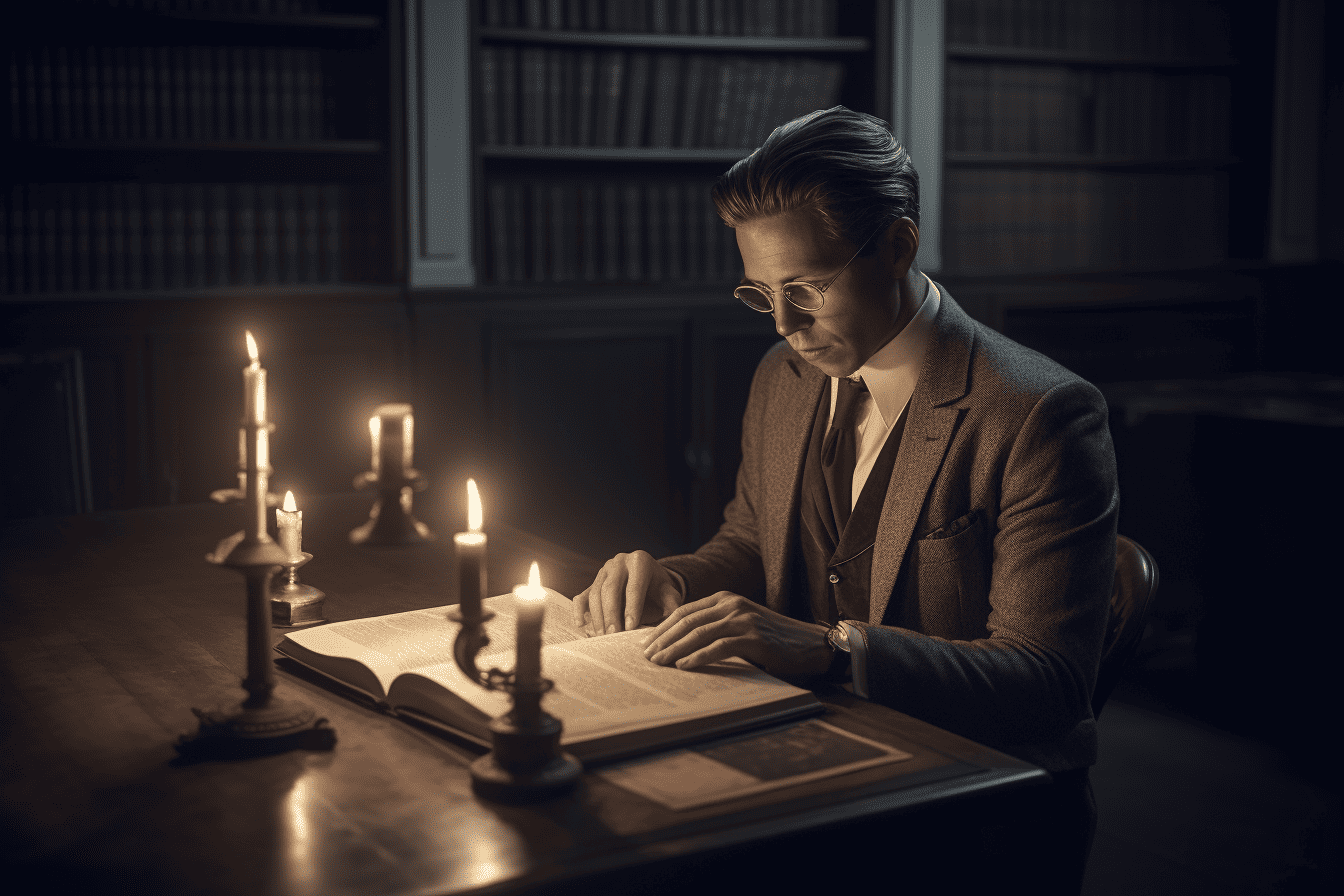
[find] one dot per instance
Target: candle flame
(290, 506)
(473, 506)
(252, 348)
(534, 577)
(375, 427)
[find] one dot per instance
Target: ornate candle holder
(263, 723)
(294, 603)
(390, 520)
(526, 763)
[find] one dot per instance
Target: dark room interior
(498, 213)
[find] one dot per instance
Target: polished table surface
(114, 627)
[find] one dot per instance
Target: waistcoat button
(834, 577)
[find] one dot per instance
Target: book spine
(590, 216)
(555, 97)
(517, 214)
(333, 219)
(632, 230)
(101, 231)
(533, 71)
(508, 94)
(288, 96)
(268, 204)
(663, 118)
(586, 99)
(245, 233)
(538, 242)
(290, 234)
(117, 205)
(497, 217)
(611, 236)
(83, 261)
(175, 236)
(636, 100)
(611, 73)
(271, 85)
(487, 65)
(675, 231)
(310, 267)
(656, 238)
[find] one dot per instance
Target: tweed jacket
(995, 551)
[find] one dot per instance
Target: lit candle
(254, 418)
(289, 523)
(470, 547)
(392, 445)
(376, 443)
(530, 604)
(254, 385)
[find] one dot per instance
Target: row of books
(63, 238)
(1033, 220)
(167, 93)
(1153, 29)
(1053, 109)
(216, 7)
(544, 97)
(747, 18)
(560, 230)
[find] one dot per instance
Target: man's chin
(825, 359)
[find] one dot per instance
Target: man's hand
(726, 624)
(630, 590)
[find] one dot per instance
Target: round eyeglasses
(799, 293)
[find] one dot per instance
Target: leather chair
(1131, 601)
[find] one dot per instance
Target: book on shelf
(636, 102)
(613, 702)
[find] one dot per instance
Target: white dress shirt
(890, 376)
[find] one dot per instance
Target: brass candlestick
(292, 602)
(390, 520)
(526, 763)
(263, 723)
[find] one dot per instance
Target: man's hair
(845, 168)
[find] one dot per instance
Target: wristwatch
(837, 638)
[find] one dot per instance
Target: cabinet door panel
(588, 430)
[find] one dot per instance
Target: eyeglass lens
(801, 295)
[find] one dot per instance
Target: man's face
(860, 311)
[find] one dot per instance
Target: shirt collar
(893, 370)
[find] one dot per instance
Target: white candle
(376, 443)
(289, 523)
(530, 605)
(407, 441)
(470, 546)
(254, 385)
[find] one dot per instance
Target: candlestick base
(390, 520)
(294, 604)
(526, 763)
(277, 726)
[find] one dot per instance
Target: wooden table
(114, 627)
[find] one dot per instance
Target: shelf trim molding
(917, 111)
(617, 153)
(1051, 56)
(438, 148)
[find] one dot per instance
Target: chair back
(1131, 602)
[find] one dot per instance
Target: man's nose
(789, 318)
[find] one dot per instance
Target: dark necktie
(839, 452)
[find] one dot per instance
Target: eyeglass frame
(770, 293)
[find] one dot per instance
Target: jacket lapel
(943, 379)
(785, 450)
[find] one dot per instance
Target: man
(924, 508)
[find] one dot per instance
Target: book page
(740, 766)
(423, 639)
(605, 686)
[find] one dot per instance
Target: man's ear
(903, 237)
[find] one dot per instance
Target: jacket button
(835, 577)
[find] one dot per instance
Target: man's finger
(721, 649)
(636, 588)
(691, 632)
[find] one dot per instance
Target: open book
(613, 702)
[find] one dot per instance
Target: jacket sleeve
(1026, 688)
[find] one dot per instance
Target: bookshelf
(599, 127)
(1087, 137)
(186, 147)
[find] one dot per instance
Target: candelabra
(526, 763)
(263, 723)
(390, 520)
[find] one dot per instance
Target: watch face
(839, 637)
